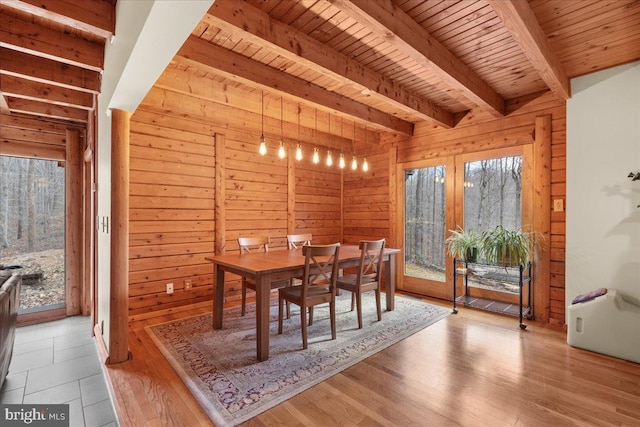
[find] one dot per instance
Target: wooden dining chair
(367, 278)
(256, 244)
(297, 240)
(318, 286)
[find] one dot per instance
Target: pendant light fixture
(263, 144)
(341, 163)
(354, 159)
(365, 164)
(316, 155)
(282, 153)
(298, 148)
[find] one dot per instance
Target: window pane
(493, 194)
(425, 223)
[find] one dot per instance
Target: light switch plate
(558, 205)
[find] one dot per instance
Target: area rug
(222, 372)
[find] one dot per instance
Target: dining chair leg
(378, 305)
(279, 316)
(244, 299)
(353, 300)
(332, 313)
(303, 324)
(359, 307)
(310, 315)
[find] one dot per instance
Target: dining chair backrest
(254, 244)
(370, 267)
(320, 266)
(296, 240)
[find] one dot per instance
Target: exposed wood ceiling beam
(523, 26)
(36, 108)
(217, 60)
(29, 37)
(27, 89)
(228, 98)
(48, 71)
(394, 26)
(258, 28)
(93, 16)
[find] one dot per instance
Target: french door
(473, 191)
(427, 212)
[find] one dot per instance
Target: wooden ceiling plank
(27, 106)
(217, 60)
(521, 22)
(35, 136)
(43, 92)
(10, 147)
(261, 30)
(28, 122)
(29, 37)
(48, 71)
(398, 29)
(96, 17)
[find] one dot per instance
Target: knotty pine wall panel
(171, 212)
(317, 200)
(256, 192)
(478, 132)
(366, 199)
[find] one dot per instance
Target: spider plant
(463, 245)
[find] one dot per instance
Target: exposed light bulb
(342, 163)
(316, 156)
(354, 163)
(365, 165)
(282, 153)
(329, 158)
(299, 153)
(263, 146)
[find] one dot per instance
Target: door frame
(432, 288)
(526, 213)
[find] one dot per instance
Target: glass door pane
(32, 227)
(492, 197)
(425, 223)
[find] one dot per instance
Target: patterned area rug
(220, 366)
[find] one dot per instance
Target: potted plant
(507, 248)
(464, 245)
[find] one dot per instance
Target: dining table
(276, 266)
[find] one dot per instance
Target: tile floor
(57, 362)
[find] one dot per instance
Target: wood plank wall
(479, 132)
(367, 199)
(173, 185)
(172, 201)
(170, 210)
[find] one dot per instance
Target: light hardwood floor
(473, 369)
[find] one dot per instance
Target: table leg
(263, 294)
(390, 280)
(218, 296)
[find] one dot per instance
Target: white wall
(147, 36)
(603, 147)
